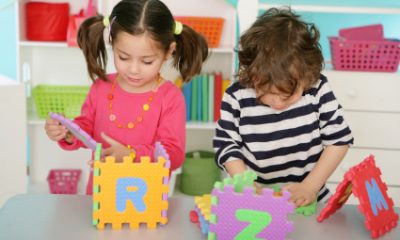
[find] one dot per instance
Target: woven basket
(209, 27)
(59, 99)
(64, 181)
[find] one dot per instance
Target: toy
(193, 216)
(307, 210)
(365, 182)
(130, 192)
(75, 130)
(203, 211)
(238, 213)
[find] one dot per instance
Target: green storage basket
(199, 173)
(59, 99)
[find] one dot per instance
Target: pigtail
(91, 41)
(191, 51)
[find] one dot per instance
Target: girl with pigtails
(128, 111)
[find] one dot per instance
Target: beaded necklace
(131, 124)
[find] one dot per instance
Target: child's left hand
(116, 149)
(301, 195)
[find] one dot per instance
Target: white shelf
(42, 44)
(335, 9)
(200, 125)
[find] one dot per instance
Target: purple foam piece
(228, 226)
(75, 130)
(159, 151)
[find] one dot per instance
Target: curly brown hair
(280, 50)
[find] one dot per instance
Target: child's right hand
(55, 130)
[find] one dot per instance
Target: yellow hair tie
(178, 28)
(106, 21)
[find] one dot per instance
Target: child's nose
(134, 67)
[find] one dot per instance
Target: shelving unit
(372, 109)
(41, 62)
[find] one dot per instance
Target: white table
(65, 217)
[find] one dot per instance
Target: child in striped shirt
(281, 118)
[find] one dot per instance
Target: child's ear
(171, 50)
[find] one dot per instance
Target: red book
(217, 95)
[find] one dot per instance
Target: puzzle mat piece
(204, 205)
(239, 181)
(355, 180)
(226, 203)
(104, 194)
(76, 131)
(307, 210)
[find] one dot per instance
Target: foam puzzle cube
(131, 192)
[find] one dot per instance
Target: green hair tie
(106, 21)
(178, 28)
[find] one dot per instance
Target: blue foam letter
(375, 196)
(123, 195)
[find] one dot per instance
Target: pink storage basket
(365, 55)
(364, 49)
(64, 181)
(369, 32)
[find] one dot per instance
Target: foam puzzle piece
(237, 212)
(203, 210)
(75, 130)
(246, 215)
(307, 210)
(203, 223)
(130, 192)
(365, 182)
(239, 181)
(204, 205)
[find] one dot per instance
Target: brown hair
(280, 50)
(138, 17)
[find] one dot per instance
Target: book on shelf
(203, 96)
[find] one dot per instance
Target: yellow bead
(131, 125)
(146, 107)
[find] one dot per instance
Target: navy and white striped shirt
(281, 146)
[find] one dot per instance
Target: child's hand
(55, 131)
(301, 195)
(259, 189)
(116, 149)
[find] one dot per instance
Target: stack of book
(203, 95)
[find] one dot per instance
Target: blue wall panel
(330, 23)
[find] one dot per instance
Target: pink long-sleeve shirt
(164, 122)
